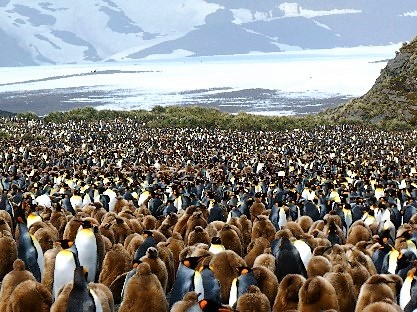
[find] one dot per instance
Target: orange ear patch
(203, 303)
(187, 263)
(244, 271)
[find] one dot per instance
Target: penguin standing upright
(288, 259)
(408, 293)
(184, 280)
(28, 248)
(241, 284)
(65, 263)
(86, 244)
(207, 285)
(80, 298)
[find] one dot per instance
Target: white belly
(64, 271)
(86, 244)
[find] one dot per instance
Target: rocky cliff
(393, 98)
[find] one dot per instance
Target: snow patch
(242, 16)
(293, 9)
(410, 14)
(322, 25)
(179, 53)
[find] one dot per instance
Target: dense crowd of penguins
(107, 216)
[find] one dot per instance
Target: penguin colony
(111, 216)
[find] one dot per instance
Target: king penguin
(80, 298)
(216, 245)
(65, 263)
(28, 248)
(241, 284)
(288, 259)
(86, 244)
(408, 293)
(207, 285)
(184, 280)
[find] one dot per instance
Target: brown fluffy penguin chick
(105, 230)
(246, 230)
(383, 306)
(144, 292)
(318, 266)
(4, 226)
(4, 215)
(196, 219)
(266, 260)
(49, 267)
(46, 238)
(317, 294)
(253, 301)
(157, 266)
(359, 232)
(343, 284)
(224, 266)
(267, 282)
(120, 204)
(230, 239)
(132, 243)
(8, 254)
(29, 296)
(166, 255)
(120, 230)
(375, 289)
(359, 275)
(214, 228)
(288, 293)
(59, 221)
(305, 222)
(149, 222)
(263, 227)
(333, 232)
(198, 235)
(176, 245)
(104, 295)
(116, 262)
(181, 225)
(190, 299)
(256, 248)
(364, 259)
(165, 229)
(256, 209)
(11, 280)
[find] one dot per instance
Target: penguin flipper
(116, 288)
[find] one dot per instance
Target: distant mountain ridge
(45, 32)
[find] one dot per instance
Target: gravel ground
(249, 100)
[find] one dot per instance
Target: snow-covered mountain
(42, 32)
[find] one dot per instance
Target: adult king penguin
(28, 248)
(89, 253)
(65, 263)
(408, 293)
(81, 298)
(288, 259)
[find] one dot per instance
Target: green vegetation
(188, 116)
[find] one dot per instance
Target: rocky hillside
(392, 100)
